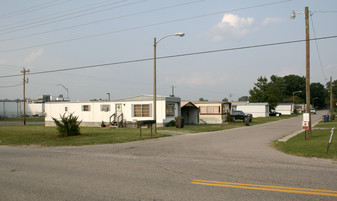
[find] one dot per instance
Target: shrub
(68, 125)
(171, 123)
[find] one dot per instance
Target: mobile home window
(85, 107)
(105, 108)
(169, 109)
(210, 109)
(141, 110)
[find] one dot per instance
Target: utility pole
(332, 117)
(307, 91)
(24, 71)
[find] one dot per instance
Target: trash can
(179, 122)
(326, 118)
(246, 121)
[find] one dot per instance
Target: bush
(68, 126)
(171, 123)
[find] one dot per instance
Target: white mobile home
(284, 108)
(256, 109)
(126, 111)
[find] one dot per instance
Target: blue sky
(43, 35)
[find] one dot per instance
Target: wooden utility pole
(24, 71)
(307, 91)
(332, 117)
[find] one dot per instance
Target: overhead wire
(167, 57)
(54, 14)
(318, 52)
(32, 8)
(141, 27)
(10, 86)
(103, 20)
(20, 28)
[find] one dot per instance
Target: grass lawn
(48, 136)
(18, 135)
(315, 146)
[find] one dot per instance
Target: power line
(141, 27)
(170, 56)
(58, 13)
(318, 53)
(19, 28)
(9, 66)
(9, 86)
(30, 9)
(103, 20)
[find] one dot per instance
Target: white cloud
(34, 55)
(231, 26)
(270, 20)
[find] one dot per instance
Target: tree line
(290, 89)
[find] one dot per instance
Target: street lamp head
(293, 15)
(181, 34)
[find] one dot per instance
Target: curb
(287, 137)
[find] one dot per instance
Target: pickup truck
(238, 114)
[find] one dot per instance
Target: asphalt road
(237, 164)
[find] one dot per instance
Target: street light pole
(307, 89)
(155, 76)
(65, 89)
(306, 14)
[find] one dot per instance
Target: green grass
(18, 135)
(314, 146)
(48, 136)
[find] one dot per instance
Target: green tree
(271, 92)
(295, 83)
(318, 95)
(243, 98)
(258, 93)
(225, 100)
(202, 99)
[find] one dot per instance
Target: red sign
(305, 125)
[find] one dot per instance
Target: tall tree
(243, 98)
(318, 95)
(258, 93)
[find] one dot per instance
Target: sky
(214, 60)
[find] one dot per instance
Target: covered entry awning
(190, 112)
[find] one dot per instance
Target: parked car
(238, 114)
(313, 111)
(274, 113)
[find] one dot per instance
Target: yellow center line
(267, 188)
